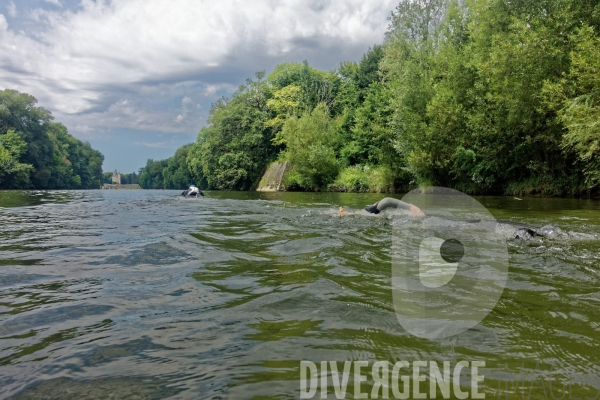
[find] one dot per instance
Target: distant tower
(116, 178)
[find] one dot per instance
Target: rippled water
(142, 294)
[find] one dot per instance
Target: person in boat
(193, 191)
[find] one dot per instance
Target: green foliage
(75, 164)
(234, 149)
(177, 172)
(151, 176)
(577, 98)
(126, 179)
(372, 135)
(194, 165)
(310, 146)
(48, 156)
(176, 175)
(364, 178)
(368, 68)
(293, 181)
(18, 112)
(466, 83)
(129, 179)
(172, 173)
(285, 102)
(12, 172)
(316, 86)
(107, 177)
(487, 96)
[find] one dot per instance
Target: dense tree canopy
(310, 143)
(151, 176)
(576, 96)
(176, 174)
(126, 179)
(486, 96)
(12, 172)
(236, 145)
(38, 153)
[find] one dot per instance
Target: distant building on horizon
(116, 178)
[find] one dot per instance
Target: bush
(310, 143)
(364, 178)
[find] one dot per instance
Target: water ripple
(144, 294)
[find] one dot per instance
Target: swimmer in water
(342, 212)
(519, 230)
(193, 191)
(385, 203)
(389, 202)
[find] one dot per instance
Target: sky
(136, 78)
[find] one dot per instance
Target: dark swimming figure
(523, 231)
(193, 191)
(389, 202)
(530, 232)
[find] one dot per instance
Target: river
(143, 294)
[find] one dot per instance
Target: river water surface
(143, 294)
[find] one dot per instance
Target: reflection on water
(142, 294)
(28, 198)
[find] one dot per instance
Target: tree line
(36, 153)
(485, 96)
(126, 179)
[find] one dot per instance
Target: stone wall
(272, 180)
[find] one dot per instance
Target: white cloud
(55, 2)
(159, 145)
(165, 107)
(117, 63)
(12, 9)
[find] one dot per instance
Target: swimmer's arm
(414, 210)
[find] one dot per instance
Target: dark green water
(141, 294)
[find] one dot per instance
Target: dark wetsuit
(192, 192)
(523, 231)
(387, 202)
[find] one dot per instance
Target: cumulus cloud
(157, 64)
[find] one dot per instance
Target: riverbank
(106, 186)
(282, 177)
